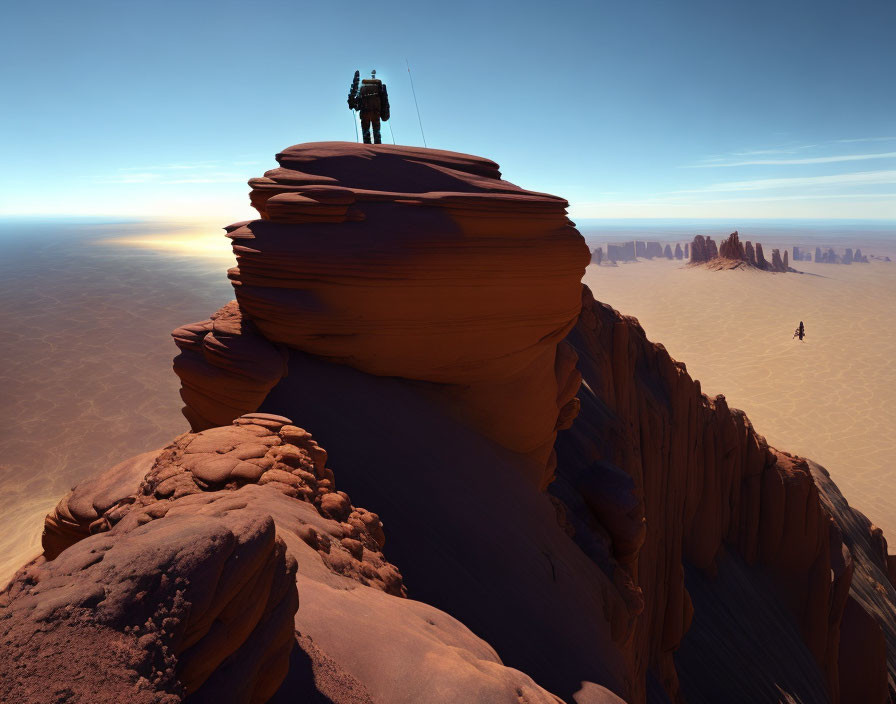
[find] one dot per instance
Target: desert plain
(831, 398)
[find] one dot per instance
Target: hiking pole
(415, 102)
(391, 133)
(353, 101)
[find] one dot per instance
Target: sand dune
(831, 398)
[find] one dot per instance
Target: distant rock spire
(760, 257)
(731, 248)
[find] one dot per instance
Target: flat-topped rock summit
(405, 262)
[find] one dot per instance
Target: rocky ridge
(708, 486)
(550, 478)
(429, 260)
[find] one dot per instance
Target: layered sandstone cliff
(402, 262)
(714, 497)
(547, 477)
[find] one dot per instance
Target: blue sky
(628, 109)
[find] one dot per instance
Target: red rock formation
(423, 309)
(761, 262)
(198, 604)
(597, 256)
(778, 263)
(196, 586)
(873, 588)
(416, 263)
(786, 260)
(621, 252)
(226, 367)
(701, 249)
(654, 249)
(678, 253)
(277, 257)
(731, 248)
(734, 255)
(257, 449)
(667, 252)
(709, 484)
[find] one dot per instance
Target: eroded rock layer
(413, 263)
(226, 367)
(258, 449)
(706, 483)
(200, 604)
(187, 583)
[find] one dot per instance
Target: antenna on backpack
(415, 102)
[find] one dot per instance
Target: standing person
(372, 100)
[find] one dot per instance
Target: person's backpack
(369, 99)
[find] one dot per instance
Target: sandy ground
(831, 397)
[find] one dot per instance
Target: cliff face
(413, 263)
(226, 367)
(626, 537)
(712, 492)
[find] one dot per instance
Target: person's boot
(366, 136)
(376, 137)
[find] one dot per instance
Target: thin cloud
(211, 178)
(180, 173)
(806, 160)
(184, 166)
(780, 150)
(863, 177)
(691, 199)
(866, 139)
(132, 177)
(191, 166)
(810, 196)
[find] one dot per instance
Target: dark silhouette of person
(800, 331)
(372, 101)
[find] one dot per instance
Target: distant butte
(732, 254)
(556, 510)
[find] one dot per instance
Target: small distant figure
(372, 101)
(800, 331)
